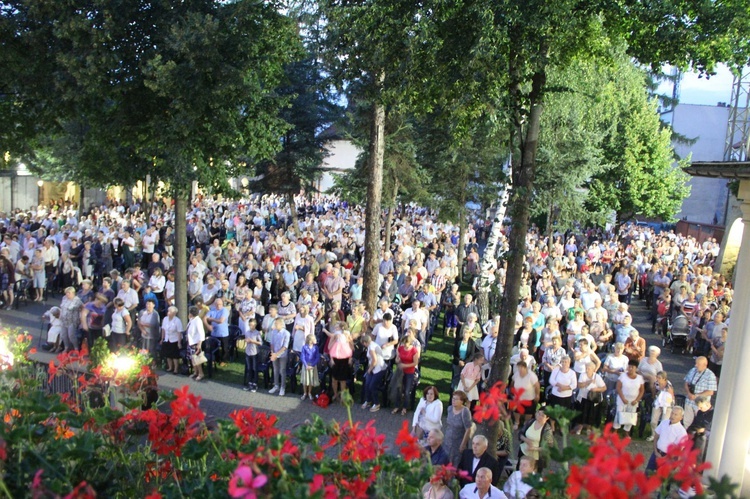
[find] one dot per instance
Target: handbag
(595, 397)
(198, 358)
(106, 331)
(627, 418)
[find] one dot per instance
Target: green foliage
(298, 165)
(179, 90)
(643, 180)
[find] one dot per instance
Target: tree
(372, 44)
(298, 165)
(182, 90)
(501, 53)
(643, 181)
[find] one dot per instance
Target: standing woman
(92, 318)
(196, 335)
(376, 370)
(630, 389)
(70, 314)
(535, 435)
(341, 349)
(158, 282)
(407, 359)
(7, 278)
(148, 326)
(458, 426)
(563, 381)
(171, 340)
(121, 326)
(471, 375)
(590, 405)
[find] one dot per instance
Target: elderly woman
(635, 346)
(649, 367)
(614, 365)
(463, 352)
(458, 426)
(551, 359)
(584, 357)
(471, 375)
(473, 326)
(148, 326)
(527, 337)
(630, 391)
(527, 381)
(590, 382)
(157, 282)
(92, 318)
(70, 314)
(563, 381)
(171, 340)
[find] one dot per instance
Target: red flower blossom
(316, 484)
(356, 488)
(82, 491)
(446, 473)
(186, 406)
(153, 495)
(515, 403)
(357, 443)
(409, 446)
(611, 471)
(3, 450)
(254, 423)
(681, 465)
(488, 408)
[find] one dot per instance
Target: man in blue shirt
(438, 456)
(217, 320)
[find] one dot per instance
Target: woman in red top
(407, 358)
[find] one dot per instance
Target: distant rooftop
(720, 169)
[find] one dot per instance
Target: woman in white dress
(630, 390)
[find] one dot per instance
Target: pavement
(220, 399)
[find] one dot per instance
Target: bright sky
(709, 91)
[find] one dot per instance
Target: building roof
(720, 169)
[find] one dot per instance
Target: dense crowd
(292, 299)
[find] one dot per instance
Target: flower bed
(127, 445)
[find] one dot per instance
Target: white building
(707, 203)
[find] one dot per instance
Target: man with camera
(700, 381)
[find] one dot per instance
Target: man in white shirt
(482, 488)
(669, 432)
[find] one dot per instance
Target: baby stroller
(677, 334)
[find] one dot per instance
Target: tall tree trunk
(550, 230)
(180, 256)
(489, 259)
(389, 217)
(462, 226)
(374, 206)
(293, 211)
(526, 137)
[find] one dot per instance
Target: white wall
(25, 192)
(708, 124)
(342, 156)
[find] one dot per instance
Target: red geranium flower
(681, 464)
(488, 408)
(409, 446)
(611, 471)
(515, 403)
(254, 423)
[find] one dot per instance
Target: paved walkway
(220, 399)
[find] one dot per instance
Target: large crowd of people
(292, 298)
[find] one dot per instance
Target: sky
(702, 90)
